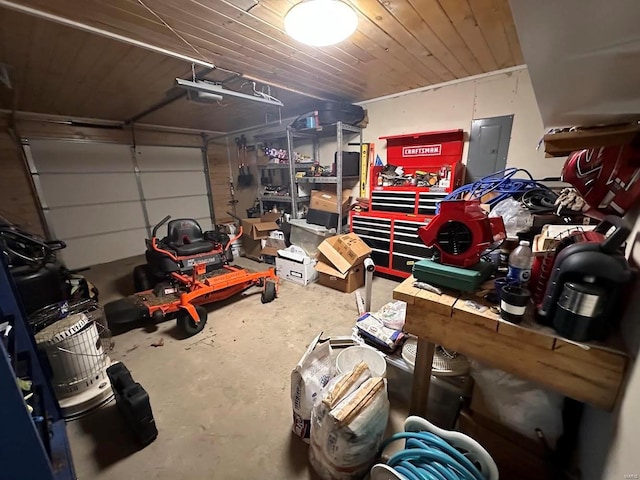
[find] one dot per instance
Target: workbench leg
(422, 378)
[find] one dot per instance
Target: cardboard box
(257, 228)
(256, 249)
(252, 248)
(328, 202)
(254, 230)
(517, 457)
(270, 217)
(345, 282)
(270, 246)
(344, 251)
(300, 271)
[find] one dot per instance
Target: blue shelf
(28, 448)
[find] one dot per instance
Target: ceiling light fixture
(216, 92)
(320, 23)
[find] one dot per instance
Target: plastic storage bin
(308, 236)
(445, 393)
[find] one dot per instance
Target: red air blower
(461, 232)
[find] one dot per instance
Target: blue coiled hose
(502, 183)
(428, 457)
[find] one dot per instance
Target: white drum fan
(446, 363)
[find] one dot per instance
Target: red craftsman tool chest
(432, 159)
(431, 166)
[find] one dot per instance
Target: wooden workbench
(590, 373)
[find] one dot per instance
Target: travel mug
(513, 303)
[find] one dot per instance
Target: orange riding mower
(184, 271)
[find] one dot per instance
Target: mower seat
(186, 238)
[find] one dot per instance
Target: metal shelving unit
(325, 179)
(281, 198)
(281, 167)
(313, 135)
(282, 137)
(274, 166)
(340, 130)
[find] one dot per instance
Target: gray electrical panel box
(488, 146)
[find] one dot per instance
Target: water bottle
(520, 261)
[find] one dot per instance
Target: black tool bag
(133, 402)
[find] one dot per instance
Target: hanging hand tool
(238, 147)
(232, 192)
(243, 146)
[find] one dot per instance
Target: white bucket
(236, 247)
(348, 358)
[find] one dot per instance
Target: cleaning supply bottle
(520, 261)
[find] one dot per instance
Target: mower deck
(197, 289)
(206, 288)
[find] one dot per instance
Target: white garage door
(96, 203)
(174, 183)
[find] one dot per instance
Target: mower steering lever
(159, 224)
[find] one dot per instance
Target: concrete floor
(221, 399)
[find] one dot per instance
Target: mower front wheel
(142, 278)
(269, 292)
(188, 325)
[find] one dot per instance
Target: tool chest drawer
(371, 226)
(393, 239)
(428, 201)
(421, 203)
(404, 263)
(399, 202)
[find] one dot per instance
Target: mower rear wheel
(142, 278)
(188, 325)
(269, 292)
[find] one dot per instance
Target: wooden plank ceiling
(399, 45)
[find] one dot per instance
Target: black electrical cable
(539, 200)
(486, 255)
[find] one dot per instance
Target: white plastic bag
(392, 314)
(520, 404)
(311, 374)
(515, 216)
(348, 424)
